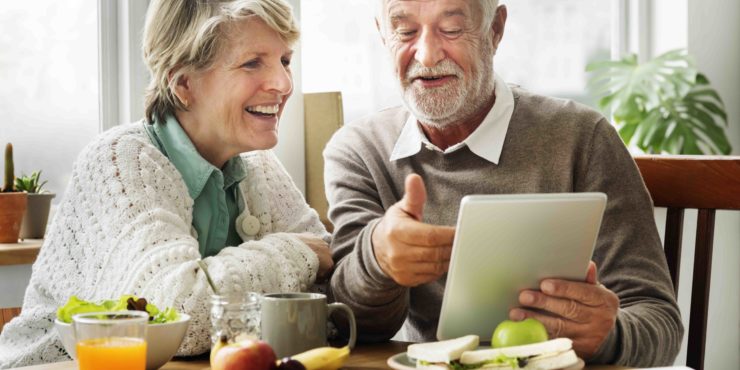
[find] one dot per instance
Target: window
(547, 45)
(545, 49)
(49, 90)
(342, 51)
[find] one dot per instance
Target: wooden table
(23, 253)
(363, 357)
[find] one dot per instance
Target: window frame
(122, 73)
(632, 28)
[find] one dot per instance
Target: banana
(323, 358)
(219, 343)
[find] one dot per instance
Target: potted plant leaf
(664, 105)
(39, 203)
(12, 203)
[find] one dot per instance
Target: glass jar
(235, 316)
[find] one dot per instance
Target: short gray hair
(488, 12)
(182, 35)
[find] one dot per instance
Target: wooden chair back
(706, 183)
(7, 314)
(323, 115)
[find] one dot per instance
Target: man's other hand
(321, 248)
(409, 251)
(582, 311)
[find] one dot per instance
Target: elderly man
(395, 181)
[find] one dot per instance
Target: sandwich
(552, 354)
(439, 355)
(460, 354)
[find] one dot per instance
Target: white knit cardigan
(124, 227)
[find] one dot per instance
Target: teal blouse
(215, 192)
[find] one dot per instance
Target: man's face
(443, 60)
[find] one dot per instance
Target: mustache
(444, 68)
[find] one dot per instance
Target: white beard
(455, 101)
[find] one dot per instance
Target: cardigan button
(250, 225)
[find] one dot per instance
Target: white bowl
(162, 340)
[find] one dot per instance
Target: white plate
(402, 362)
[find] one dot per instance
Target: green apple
(516, 333)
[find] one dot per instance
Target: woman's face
(235, 105)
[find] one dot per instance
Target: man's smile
(433, 81)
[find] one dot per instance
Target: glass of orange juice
(111, 340)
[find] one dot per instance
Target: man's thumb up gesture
(414, 197)
(409, 251)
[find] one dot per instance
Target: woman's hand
(319, 246)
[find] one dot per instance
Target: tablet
(507, 243)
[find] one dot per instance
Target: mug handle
(351, 316)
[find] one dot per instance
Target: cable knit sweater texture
(124, 227)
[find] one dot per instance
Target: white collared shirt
(486, 141)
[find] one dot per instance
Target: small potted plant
(12, 203)
(39, 203)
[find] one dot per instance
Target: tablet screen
(507, 243)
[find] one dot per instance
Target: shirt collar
(194, 169)
(486, 141)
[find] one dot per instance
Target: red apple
(245, 355)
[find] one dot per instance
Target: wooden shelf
(23, 253)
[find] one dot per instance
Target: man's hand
(582, 311)
(319, 246)
(409, 251)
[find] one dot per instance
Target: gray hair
(488, 10)
(186, 35)
(487, 7)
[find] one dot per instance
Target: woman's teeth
(264, 109)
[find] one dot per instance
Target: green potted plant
(664, 105)
(12, 203)
(39, 203)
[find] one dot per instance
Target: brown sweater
(552, 145)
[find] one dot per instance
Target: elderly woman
(148, 200)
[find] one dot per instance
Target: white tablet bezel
(536, 236)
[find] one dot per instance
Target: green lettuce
(76, 306)
(512, 362)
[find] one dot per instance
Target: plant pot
(12, 208)
(36, 216)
